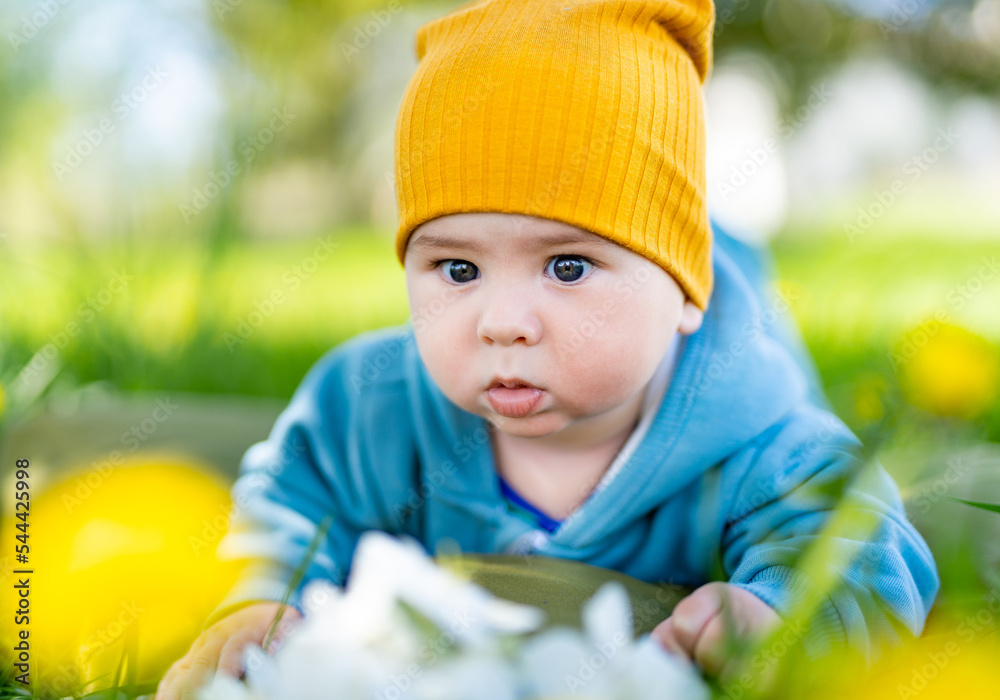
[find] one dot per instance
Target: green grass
(857, 301)
(203, 318)
(878, 288)
(250, 320)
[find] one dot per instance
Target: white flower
(483, 677)
(604, 662)
(363, 644)
(652, 673)
(551, 661)
(607, 616)
(385, 568)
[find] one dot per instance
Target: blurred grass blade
(132, 659)
(296, 579)
(78, 688)
(34, 378)
(119, 673)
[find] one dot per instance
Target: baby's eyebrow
(434, 240)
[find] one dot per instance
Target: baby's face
(582, 321)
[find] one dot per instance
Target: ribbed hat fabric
(583, 111)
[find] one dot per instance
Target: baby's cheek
(440, 351)
(451, 358)
(605, 371)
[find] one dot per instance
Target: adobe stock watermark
(596, 318)
(983, 622)
(934, 492)
(727, 16)
(902, 14)
(212, 529)
(364, 34)
(963, 293)
(132, 439)
(912, 170)
(122, 107)
(262, 477)
(751, 331)
(549, 192)
(979, 624)
(224, 7)
(758, 157)
(291, 279)
(313, 598)
(667, 595)
(583, 492)
(922, 675)
(604, 652)
(422, 318)
(431, 650)
(61, 681)
(219, 180)
(111, 632)
(389, 352)
(764, 661)
(35, 22)
(792, 482)
(452, 119)
(960, 295)
(435, 478)
(86, 311)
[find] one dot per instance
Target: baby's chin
(538, 425)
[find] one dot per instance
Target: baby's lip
(510, 383)
(513, 398)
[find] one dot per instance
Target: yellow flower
(955, 658)
(126, 545)
(948, 370)
(940, 668)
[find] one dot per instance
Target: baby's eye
(460, 271)
(569, 268)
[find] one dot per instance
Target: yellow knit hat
(582, 111)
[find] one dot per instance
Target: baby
(584, 375)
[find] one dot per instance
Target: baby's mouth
(513, 398)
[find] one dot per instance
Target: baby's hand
(697, 628)
(221, 646)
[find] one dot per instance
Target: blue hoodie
(734, 477)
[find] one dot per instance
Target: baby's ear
(691, 318)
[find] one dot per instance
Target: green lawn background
(250, 317)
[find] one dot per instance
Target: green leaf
(993, 508)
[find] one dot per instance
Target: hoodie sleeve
(278, 502)
(289, 482)
(810, 522)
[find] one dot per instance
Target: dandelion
(954, 373)
(937, 668)
(99, 532)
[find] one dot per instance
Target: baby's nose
(509, 317)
